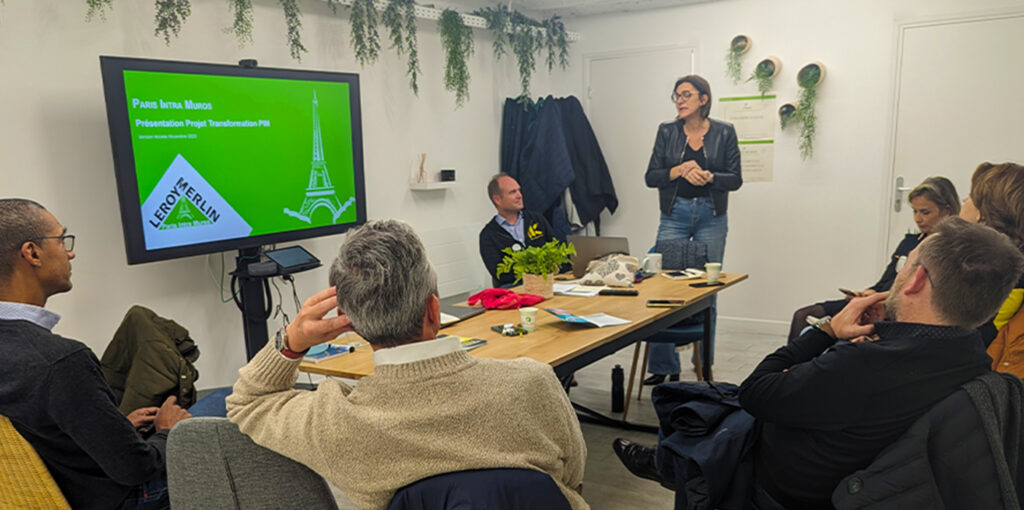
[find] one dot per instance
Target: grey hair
(20, 221)
(383, 280)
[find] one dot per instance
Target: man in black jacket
(835, 397)
(512, 227)
(52, 389)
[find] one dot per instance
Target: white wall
(55, 148)
(819, 224)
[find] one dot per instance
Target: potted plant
(765, 72)
(536, 265)
(809, 77)
(737, 47)
(788, 113)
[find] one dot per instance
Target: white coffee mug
(651, 263)
(713, 269)
(528, 318)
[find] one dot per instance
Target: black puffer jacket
(150, 359)
(964, 453)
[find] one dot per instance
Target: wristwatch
(818, 323)
(281, 344)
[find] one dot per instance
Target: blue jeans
(152, 495)
(693, 219)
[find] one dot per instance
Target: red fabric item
(503, 299)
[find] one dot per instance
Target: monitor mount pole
(254, 302)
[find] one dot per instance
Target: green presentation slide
(223, 157)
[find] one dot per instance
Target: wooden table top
(554, 341)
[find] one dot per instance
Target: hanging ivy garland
(809, 77)
(556, 40)
(457, 43)
(733, 65)
(170, 15)
(242, 16)
(498, 21)
(291, 17)
(98, 8)
(526, 37)
(365, 39)
(400, 16)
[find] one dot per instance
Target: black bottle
(617, 389)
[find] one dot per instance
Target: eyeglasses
(686, 94)
(68, 240)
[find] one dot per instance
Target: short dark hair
(997, 190)
(940, 191)
(703, 88)
(20, 221)
(383, 281)
(493, 188)
(972, 269)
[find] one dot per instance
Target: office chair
(493, 489)
(24, 480)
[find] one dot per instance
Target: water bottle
(617, 389)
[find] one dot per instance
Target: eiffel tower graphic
(320, 191)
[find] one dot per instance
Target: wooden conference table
(566, 347)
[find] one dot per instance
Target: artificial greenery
(291, 18)
(538, 260)
(365, 39)
(170, 15)
(241, 26)
(526, 37)
(457, 43)
(807, 78)
(764, 73)
(787, 114)
(400, 16)
(98, 8)
(733, 66)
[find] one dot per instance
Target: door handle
(898, 194)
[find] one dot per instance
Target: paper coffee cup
(652, 263)
(528, 318)
(713, 269)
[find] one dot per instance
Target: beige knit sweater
(410, 421)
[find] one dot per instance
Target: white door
(627, 96)
(959, 103)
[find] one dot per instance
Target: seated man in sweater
(430, 407)
(835, 397)
(512, 227)
(52, 389)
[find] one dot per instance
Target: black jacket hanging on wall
(550, 146)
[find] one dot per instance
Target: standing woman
(695, 164)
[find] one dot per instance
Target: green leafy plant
(499, 20)
(170, 15)
(733, 65)
(292, 16)
(98, 8)
(538, 260)
(556, 40)
(787, 114)
(365, 39)
(764, 74)
(241, 25)
(527, 37)
(525, 41)
(457, 43)
(808, 78)
(400, 16)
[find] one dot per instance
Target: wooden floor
(607, 485)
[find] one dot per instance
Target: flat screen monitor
(219, 157)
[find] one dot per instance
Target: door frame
(589, 58)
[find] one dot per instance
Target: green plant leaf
(540, 260)
(400, 16)
(457, 43)
(365, 39)
(292, 17)
(242, 16)
(498, 20)
(170, 15)
(98, 8)
(808, 96)
(733, 65)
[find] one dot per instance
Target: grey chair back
(211, 464)
(681, 253)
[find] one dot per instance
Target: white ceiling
(575, 8)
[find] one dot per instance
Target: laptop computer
(455, 309)
(591, 247)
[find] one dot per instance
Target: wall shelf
(429, 186)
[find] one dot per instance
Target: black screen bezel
(112, 71)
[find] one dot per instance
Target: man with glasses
(834, 398)
(52, 389)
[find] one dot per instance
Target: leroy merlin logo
(185, 209)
